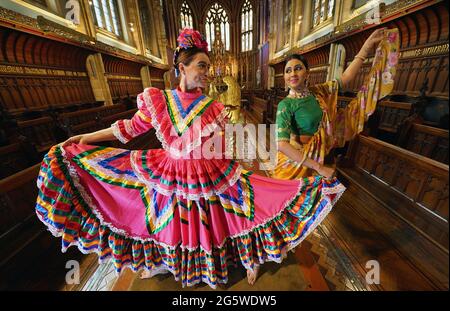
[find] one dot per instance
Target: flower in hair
(192, 38)
(189, 38)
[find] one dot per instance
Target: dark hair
(298, 57)
(185, 56)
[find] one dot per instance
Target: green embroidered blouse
(299, 116)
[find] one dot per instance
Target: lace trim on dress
(218, 122)
(117, 133)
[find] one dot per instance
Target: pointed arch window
(217, 17)
(106, 16)
(247, 27)
(186, 20)
(322, 11)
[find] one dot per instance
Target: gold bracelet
(360, 57)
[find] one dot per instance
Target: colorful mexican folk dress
(333, 126)
(167, 210)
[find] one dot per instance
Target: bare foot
(252, 275)
(145, 274)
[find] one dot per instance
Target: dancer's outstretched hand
(77, 139)
(373, 40)
(326, 171)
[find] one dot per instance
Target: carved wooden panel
(391, 114)
(84, 121)
(124, 76)
(41, 132)
(157, 77)
(36, 73)
(258, 106)
(413, 175)
(429, 141)
(124, 87)
(317, 76)
(424, 182)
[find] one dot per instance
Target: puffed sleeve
(127, 129)
(283, 120)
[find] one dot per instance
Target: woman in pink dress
(176, 209)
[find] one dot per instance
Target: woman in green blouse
(308, 122)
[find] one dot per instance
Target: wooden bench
(416, 186)
(18, 222)
(40, 132)
(429, 141)
(16, 157)
(30, 257)
(88, 119)
(108, 120)
(392, 114)
(408, 188)
(258, 107)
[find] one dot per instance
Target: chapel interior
(72, 67)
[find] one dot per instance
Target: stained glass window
(247, 27)
(217, 17)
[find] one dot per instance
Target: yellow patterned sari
(340, 125)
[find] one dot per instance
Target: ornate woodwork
(391, 114)
(87, 120)
(156, 77)
(38, 73)
(429, 141)
(422, 181)
(258, 106)
(41, 132)
(124, 78)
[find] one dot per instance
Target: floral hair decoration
(189, 38)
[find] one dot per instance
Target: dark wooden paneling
(422, 183)
(88, 120)
(429, 141)
(119, 71)
(44, 73)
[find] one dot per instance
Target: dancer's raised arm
(371, 42)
